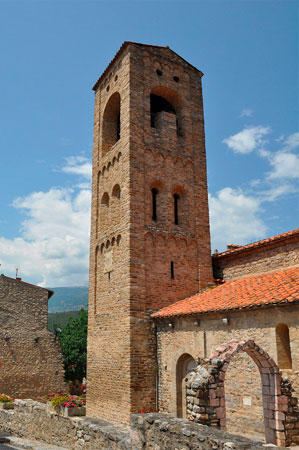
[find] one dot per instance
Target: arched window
(185, 364)
(159, 104)
(166, 109)
(154, 203)
(284, 356)
(116, 191)
(111, 123)
(176, 198)
(105, 199)
(104, 210)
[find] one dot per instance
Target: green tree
(73, 341)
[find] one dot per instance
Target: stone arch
(206, 383)
(184, 365)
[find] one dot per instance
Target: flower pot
(72, 411)
(8, 405)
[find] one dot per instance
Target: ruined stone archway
(206, 395)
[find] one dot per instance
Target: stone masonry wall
(160, 432)
(30, 355)
(199, 336)
(270, 256)
(31, 420)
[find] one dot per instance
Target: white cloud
(285, 165)
(246, 112)
(53, 246)
(234, 218)
(78, 165)
(292, 141)
(248, 139)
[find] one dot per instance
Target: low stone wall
(32, 420)
(160, 432)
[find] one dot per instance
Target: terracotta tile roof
(125, 45)
(253, 245)
(277, 287)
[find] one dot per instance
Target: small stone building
(31, 362)
(256, 300)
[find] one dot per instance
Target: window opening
(159, 104)
(172, 270)
(284, 356)
(176, 213)
(111, 123)
(154, 203)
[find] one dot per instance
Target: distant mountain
(68, 299)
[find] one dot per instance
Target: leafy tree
(73, 341)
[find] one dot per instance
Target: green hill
(60, 319)
(68, 299)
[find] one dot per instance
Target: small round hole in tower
(159, 73)
(176, 79)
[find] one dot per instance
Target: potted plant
(67, 405)
(73, 406)
(6, 402)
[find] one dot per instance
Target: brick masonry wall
(270, 256)
(187, 337)
(131, 254)
(30, 355)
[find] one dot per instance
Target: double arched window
(176, 206)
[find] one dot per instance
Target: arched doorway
(185, 364)
(207, 384)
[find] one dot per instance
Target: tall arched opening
(166, 109)
(111, 123)
(185, 364)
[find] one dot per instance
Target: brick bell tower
(150, 237)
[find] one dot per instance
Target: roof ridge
(124, 45)
(268, 240)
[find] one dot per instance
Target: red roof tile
(269, 240)
(277, 287)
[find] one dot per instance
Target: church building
(159, 302)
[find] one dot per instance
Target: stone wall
(198, 336)
(271, 255)
(160, 432)
(30, 355)
(206, 394)
(31, 420)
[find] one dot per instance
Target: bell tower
(150, 237)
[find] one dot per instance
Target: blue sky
(52, 52)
